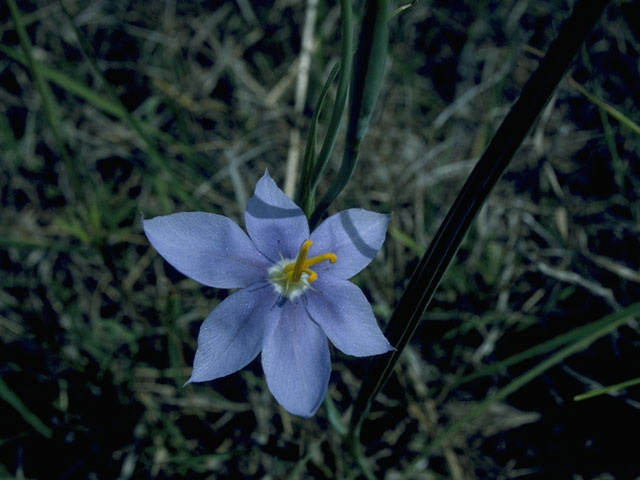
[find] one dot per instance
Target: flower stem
(367, 80)
(314, 167)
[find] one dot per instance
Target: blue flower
(294, 290)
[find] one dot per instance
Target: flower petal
(296, 361)
(276, 225)
(231, 336)
(209, 248)
(344, 313)
(354, 235)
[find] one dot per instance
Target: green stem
(367, 80)
(306, 196)
(355, 448)
(346, 62)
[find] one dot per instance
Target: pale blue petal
(276, 225)
(354, 235)
(209, 248)
(344, 313)
(231, 336)
(296, 361)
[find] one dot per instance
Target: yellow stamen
(312, 275)
(300, 260)
(302, 263)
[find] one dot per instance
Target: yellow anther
(302, 263)
(321, 258)
(312, 275)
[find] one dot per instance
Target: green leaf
(346, 64)
(306, 190)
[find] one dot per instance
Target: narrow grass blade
(48, 102)
(305, 193)
(404, 239)
(367, 80)
(536, 351)
(402, 8)
(300, 468)
(69, 84)
(607, 390)
(619, 116)
(12, 399)
(84, 92)
(117, 109)
(134, 123)
(486, 173)
(334, 416)
(8, 242)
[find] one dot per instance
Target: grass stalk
(367, 80)
(486, 173)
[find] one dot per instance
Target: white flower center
(291, 278)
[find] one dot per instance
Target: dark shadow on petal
(356, 238)
(258, 208)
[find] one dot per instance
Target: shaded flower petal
(354, 235)
(231, 336)
(209, 248)
(276, 225)
(344, 313)
(296, 361)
